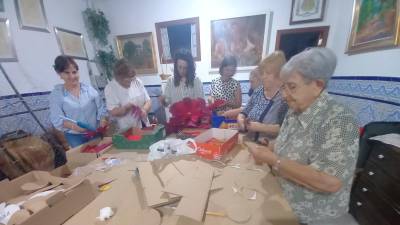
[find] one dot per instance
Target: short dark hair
(185, 55)
(122, 68)
(62, 62)
(229, 60)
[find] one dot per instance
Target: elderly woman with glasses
(315, 154)
(126, 93)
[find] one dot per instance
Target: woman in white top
(184, 83)
(123, 93)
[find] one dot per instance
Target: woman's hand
(163, 100)
(254, 126)
(261, 153)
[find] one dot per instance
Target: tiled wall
(371, 99)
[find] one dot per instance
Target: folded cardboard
(65, 197)
(225, 141)
(77, 158)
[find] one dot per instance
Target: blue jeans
(76, 139)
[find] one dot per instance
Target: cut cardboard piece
(152, 186)
(193, 184)
(123, 198)
(52, 209)
(227, 139)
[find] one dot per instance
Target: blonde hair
(273, 63)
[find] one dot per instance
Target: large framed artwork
(244, 37)
(178, 34)
(138, 49)
(71, 43)
(375, 25)
(293, 41)
(2, 8)
(7, 49)
(307, 11)
(31, 15)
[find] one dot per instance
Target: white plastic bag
(171, 147)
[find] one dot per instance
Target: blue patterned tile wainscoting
(371, 99)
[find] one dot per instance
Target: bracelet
(277, 165)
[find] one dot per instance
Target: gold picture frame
(71, 43)
(138, 49)
(32, 15)
(7, 48)
(374, 29)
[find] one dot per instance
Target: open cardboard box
(224, 140)
(69, 197)
(77, 158)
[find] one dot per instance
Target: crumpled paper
(105, 214)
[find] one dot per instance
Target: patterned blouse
(325, 137)
(175, 94)
(258, 103)
(225, 91)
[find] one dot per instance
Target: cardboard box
(145, 138)
(77, 158)
(214, 143)
(71, 195)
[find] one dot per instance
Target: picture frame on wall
(178, 34)
(71, 43)
(138, 49)
(246, 38)
(307, 11)
(32, 15)
(7, 48)
(294, 41)
(375, 25)
(2, 7)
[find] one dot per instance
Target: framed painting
(31, 15)
(71, 43)
(243, 37)
(139, 50)
(375, 25)
(293, 41)
(7, 49)
(306, 11)
(178, 34)
(2, 8)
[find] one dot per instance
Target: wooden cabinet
(375, 198)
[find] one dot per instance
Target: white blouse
(117, 96)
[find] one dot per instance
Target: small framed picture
(7, 49)
(306, 11)
(31, 15)
(71, 43)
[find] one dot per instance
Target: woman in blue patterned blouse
(266, 108)
(76, 101)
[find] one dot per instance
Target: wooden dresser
(375, 198)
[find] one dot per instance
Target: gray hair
(313, 64)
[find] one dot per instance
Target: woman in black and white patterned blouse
(226, 87)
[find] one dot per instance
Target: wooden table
(269, 207)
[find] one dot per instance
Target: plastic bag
(171, 147)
